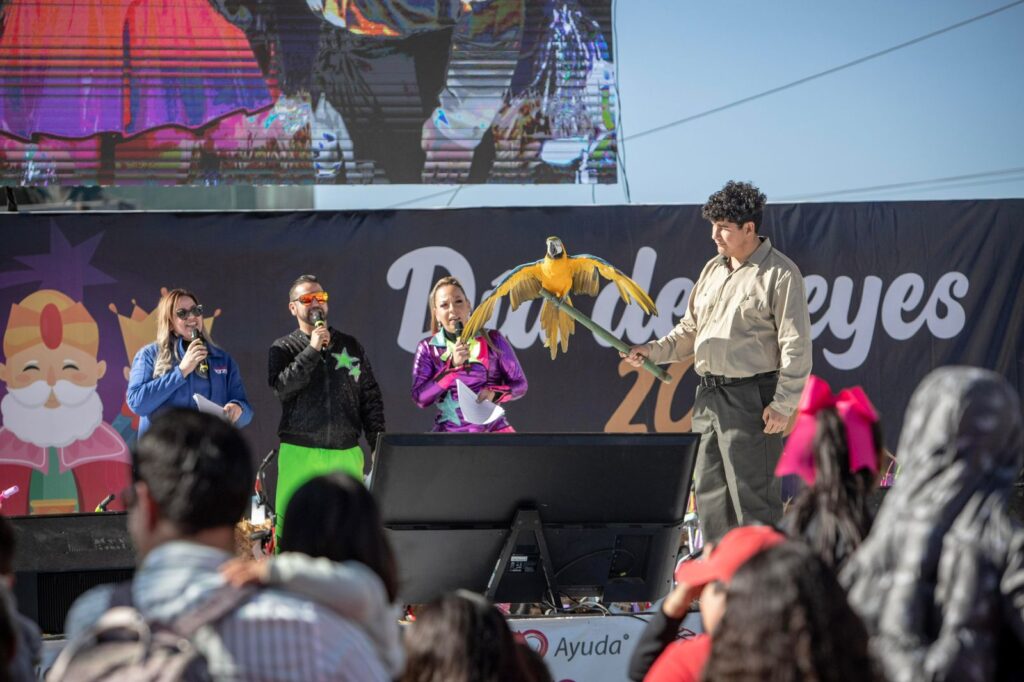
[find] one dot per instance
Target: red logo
(536, 640)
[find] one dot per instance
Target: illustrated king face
(53, 428)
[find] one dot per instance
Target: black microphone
(317, 317)
(459, 327)
(102, 506)
(203, 370)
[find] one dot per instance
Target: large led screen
(209, 92)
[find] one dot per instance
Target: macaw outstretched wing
(522, 284)
(585, 269)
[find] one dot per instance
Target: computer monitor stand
(525, 557)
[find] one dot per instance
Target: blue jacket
(147, 396)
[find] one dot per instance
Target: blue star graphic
(448, 407)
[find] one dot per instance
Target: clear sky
(950, 106)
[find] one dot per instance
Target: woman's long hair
(787, 620)
(461, 637)
(167, 348)
(834, 514)
(335, 517)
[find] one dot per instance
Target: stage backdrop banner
(894, 289)
(208, 92)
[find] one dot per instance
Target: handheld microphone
(102, 506)
(458, 330)
(317, 316)
(9, 492)
(203, 370)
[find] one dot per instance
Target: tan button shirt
(746, 321)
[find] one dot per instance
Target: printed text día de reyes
(849, 310)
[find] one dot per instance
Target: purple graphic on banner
(65, 267)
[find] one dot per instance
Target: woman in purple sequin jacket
(487, 364)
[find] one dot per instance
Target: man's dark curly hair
(787, 620)
(737, 202)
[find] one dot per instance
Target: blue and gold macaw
(559, 274)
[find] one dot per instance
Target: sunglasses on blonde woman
(194, 311)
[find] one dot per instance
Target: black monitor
(609, 508)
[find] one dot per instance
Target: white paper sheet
(208, 406)
(476, 413)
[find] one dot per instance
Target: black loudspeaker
(60, 556)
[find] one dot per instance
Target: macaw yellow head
(555, 248)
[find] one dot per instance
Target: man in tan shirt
(749, 333)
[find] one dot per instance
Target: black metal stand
(521, 558)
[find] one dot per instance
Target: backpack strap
(222, 602)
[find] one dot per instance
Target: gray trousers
(735, 470)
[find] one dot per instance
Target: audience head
(461, 637)
(967, 418)
(192, 474)
(787, 619)
(335, 517)
(714, 573)
(836, 448)
(534, 667)
(834, 434)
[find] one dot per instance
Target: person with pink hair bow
(835, 447)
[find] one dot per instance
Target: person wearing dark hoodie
(939, 581)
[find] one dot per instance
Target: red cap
(736, 548)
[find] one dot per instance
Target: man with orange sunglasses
(329, 396)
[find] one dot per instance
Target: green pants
(297, 464)
(735, 482)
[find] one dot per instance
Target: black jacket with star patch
(327, 398)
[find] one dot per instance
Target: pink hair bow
(857, 414)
